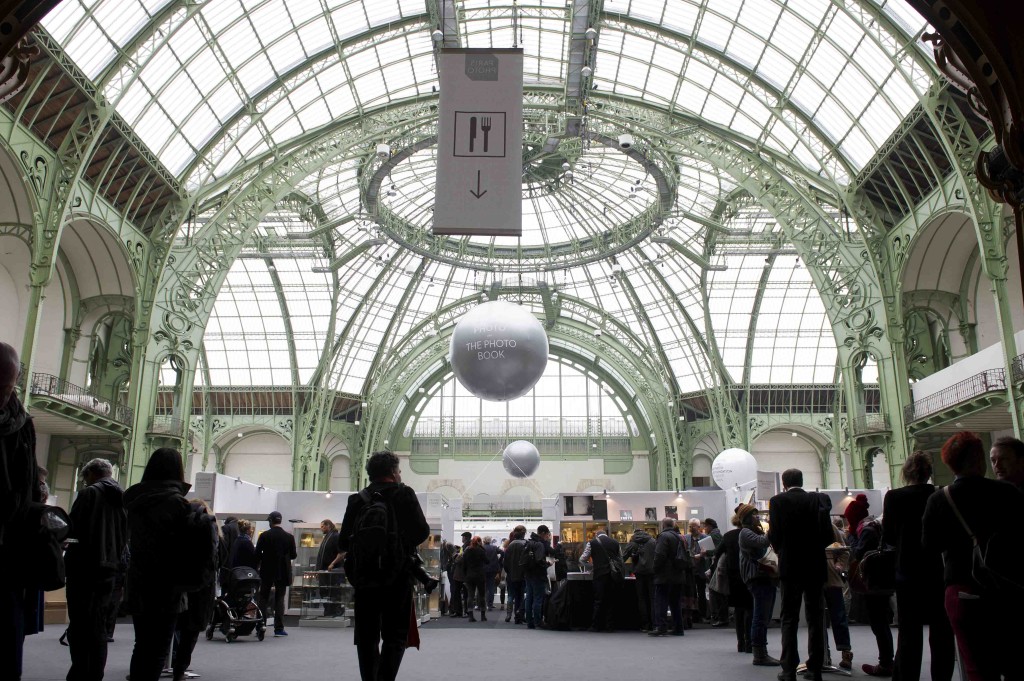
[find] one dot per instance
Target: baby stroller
(236, 612)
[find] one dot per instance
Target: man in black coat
(800, 530)
(383, 612)
(19, 487)
(327, 559)
(605, 555)
(275, 551)
(670, 567)
(99, 523)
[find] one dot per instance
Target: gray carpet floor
(458, 650)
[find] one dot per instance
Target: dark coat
(200, 603)
(243, 553)
(99, 521)
(603, 551)
(988, 506)
(412, 529)
(157, 510)
(641, 550)
(473, 561)
(513, 556)
(739, 595)
(228, 537)
(665, 549)
(540, 547)
(19, 487)
(902, 518)
(275, 551)
(493, 565)
(328, 550)
(800, 530)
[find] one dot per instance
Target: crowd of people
(957, 559)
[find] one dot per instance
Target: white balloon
(520, 459)
(734, 467)
(499, 351)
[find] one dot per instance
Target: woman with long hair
(157, 510)
(739, 595)
(753, 547)
(473, 560)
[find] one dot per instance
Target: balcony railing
(57, 388)
(166, 425)
(871, 423)
(1018, 368)
(990, 380)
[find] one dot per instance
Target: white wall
(263, 458)
(14, 261)
(490, 478)
(50, 339)
(776, 452)
(990, 357)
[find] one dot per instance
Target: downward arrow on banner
(477, 193)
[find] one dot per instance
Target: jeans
(919, 605)
(153, 634)
(264, 600)
(809, 593)
(185, 638)
(88, 605)
(475, 591)
(668, 597)
(879, 617)
(604, 594)
(763, 593)
(515, 602)
(382, 619)
(535, 590)
(645, 600)
(489, 588)
(837, 617)
(12, 632)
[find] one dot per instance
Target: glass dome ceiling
(660, 243)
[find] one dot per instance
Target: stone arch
(335, 452)
(260, 455)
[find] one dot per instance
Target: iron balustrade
(57, 388)
(166, 425)
(990, 380)
(1018, 368)
(871, 423)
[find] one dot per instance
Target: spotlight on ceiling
(590, 33)
(586, 72)
(437, 35)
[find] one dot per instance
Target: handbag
(48, 527)
(719, 579)
(987, 565)
(874, 573)
(769, 563)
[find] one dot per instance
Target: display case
(327, 599)
(430, 553)
(574, 535)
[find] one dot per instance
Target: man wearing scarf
(19, 487)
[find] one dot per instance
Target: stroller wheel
(231, 635)
(261, 634)
(209, 633)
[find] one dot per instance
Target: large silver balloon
(520, 459)
(499, 351)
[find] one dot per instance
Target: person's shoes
(278, 633)
(877, 669)
(748, 647)
(530, 626)
(110, 639)
(520, 621)
(658, 632)
(508, 618)
(455, 614)
(471, 618)
(679, 632)
(594, 629)
(847, 661)
(483, 615)
(741, 646)
(431, 585)
(811, 675)
(786, 676)
(763, 659)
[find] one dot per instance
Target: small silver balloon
(520, 459)
(499, 351)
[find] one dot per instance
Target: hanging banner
(479, 186)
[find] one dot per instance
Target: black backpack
(533, 556)
(375, 557)
(47, 528)
(195, 552)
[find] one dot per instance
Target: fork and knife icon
(485, 128)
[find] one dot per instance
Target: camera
(625, 141)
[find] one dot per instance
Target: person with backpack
(382, 527)
(200, 602)
(641, 550)
(981, 614)
(671, 563)
(154, 591)
(604, 554)
(758, 577)
(534, 561)
(515, 575)
(275, 551)
(99, 527)
(869, 538)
